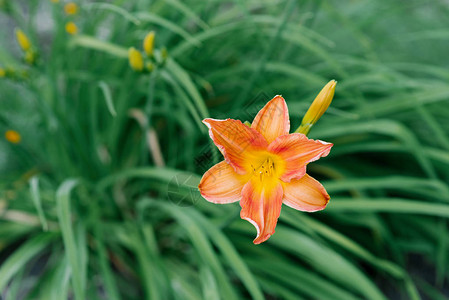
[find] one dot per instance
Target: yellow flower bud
(23, 40)
(2, 72)
(135, 59)
(55, 1)
(318, 107)
(71, 28)
(148, 43)
(12, 136)
(71, 8)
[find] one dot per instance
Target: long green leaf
(15, 262)
(68, 236)
(388, 205)
(35, 195)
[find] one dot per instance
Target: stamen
(266, 169)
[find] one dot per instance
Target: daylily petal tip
(328, 146)
(200, 186)
(220, 184)
(279, 98)
(319, 208)
(208, 121)
(297, 151)
(273, 120)
(305, 194)
(260, 240)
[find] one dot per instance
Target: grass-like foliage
(99, 199)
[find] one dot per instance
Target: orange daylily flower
(264, 167)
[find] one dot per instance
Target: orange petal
(220, 184)
(261, 206)
(305, 194)
(233, 139)
(272, 120)
(297, 151)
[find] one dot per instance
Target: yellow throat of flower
(264, 169)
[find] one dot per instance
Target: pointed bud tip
(331, 84)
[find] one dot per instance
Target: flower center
(265, 170)
(263, 167)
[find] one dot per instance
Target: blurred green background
(98, 199)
